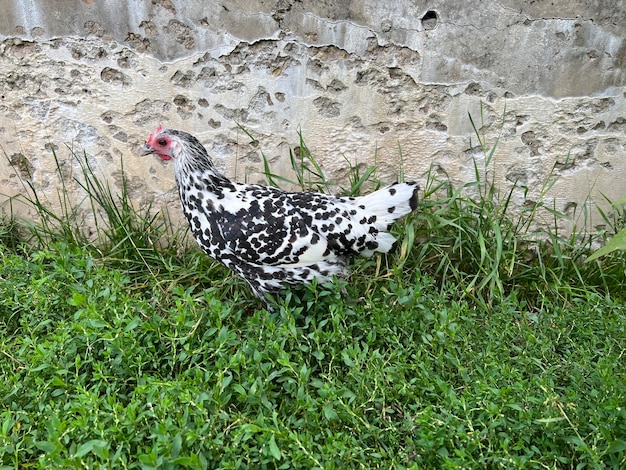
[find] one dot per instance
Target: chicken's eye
(162, 142)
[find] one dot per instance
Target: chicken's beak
(146, 149)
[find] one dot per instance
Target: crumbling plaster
(360, 79)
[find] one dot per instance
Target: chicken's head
(162, 143)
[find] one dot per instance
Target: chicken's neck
(198, 172)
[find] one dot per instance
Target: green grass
(478, 344)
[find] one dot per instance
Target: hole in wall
(430, 19)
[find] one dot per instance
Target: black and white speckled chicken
(273, 238)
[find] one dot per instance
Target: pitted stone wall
(360, 79)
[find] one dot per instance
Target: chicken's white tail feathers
(391, 202)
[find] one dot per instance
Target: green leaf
(250, 428)
(330, 413)
(618, 445)
(274, 448)
(226, 380)
(47, 446)
(6, 425)
(90, 446)
(177, 444)
(549, 420)
(132, 325)
(618, 242)
(619, 202)
(347, 360)
(78, 299)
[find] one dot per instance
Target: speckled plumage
(273, 238)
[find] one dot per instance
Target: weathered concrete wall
(359, 78)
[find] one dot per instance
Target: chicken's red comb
(158, 131)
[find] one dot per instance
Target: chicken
(272, 238)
